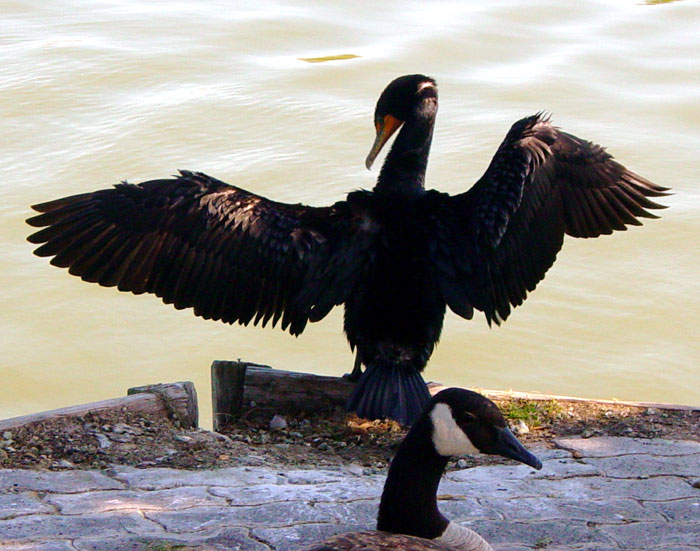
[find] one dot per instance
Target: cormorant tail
(387, 390)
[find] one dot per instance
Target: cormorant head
(406, 97)
(467, 422)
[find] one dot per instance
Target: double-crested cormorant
(455, 422)
(394, 256)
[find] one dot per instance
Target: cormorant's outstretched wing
(197, 242)
(497, 240)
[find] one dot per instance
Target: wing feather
(505, 232)
(199, 243)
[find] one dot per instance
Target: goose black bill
(509, 446)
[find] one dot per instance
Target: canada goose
(395, 256)
(454, 422)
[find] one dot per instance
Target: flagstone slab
(637, 465)
(51, 526)
(599, 494)
(184, 497)
(75, 482)
(23, 503)
(163, 478)
(611, 446)
(234, 539)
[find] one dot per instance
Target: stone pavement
(599, 494)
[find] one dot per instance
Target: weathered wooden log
(238, 387)
(248, 386)
(293, 390)
(227, 380)
(177, 401)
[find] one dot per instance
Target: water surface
(97, 92)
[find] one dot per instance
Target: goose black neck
(404, 168)
(409, 501)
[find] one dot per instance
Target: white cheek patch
(448, 438)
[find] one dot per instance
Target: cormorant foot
(356, 370)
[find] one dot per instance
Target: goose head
(465, 422)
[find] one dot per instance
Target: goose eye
(468, 417)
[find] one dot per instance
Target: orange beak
(385, 129)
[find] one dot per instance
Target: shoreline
(154, 429)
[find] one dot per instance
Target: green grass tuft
(532, 412)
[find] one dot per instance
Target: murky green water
(96, 92)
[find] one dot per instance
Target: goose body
(455, 422)
(396, 256)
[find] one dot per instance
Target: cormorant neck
(409, 501)
(404, 168)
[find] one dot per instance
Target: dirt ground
(92, 441)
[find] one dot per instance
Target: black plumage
(395, 256)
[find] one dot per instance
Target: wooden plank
(179, 399)
(243, 387)
(277, 391)
(289, 390)
(226, 391)
(175, 400)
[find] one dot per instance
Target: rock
(651, 411)
(102, 440)
(696, 484)
(120, 437)
(521, 427)
(353, 469)
(462, 464)
(183, 438)
(222, 437)
(251, 460)
(123, 428)
(278, 423)
(7, 435)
